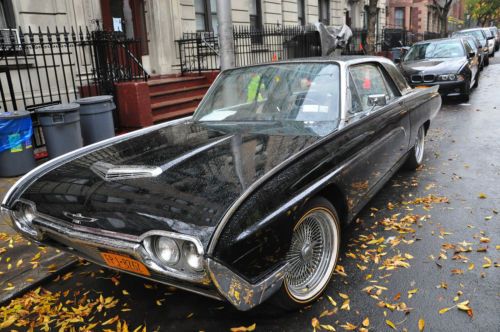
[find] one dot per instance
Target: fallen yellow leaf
(391, 324)
(244, 328)
(442, 311)
(421, 324)
(366, 322)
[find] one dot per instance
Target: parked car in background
(450, 63)
(245, 200)
(481, 36)
(491, 41)
(476, 45)
(496, 34)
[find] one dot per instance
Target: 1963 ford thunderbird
(245, 200)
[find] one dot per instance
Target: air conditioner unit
(9, 40)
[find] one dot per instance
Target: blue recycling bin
(16, 150)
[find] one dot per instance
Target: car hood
(180, 178)
(434, 66)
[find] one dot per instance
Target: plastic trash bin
(96, 118)
(61, 128)
(16, 151)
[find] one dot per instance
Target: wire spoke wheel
(420, 144)
(312, 255)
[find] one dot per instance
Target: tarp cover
(333, 38)
(15, 133)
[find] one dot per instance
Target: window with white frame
(301, 11)
(206, 15)
(399, 17)
(7, 20)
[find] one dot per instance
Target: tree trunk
(444, 25)
(371, 40)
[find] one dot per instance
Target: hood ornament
(110, 172)
(78, 218)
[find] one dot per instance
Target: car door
(380, 132)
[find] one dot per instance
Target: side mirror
(377, 100)
(471, 54)
(490, 37)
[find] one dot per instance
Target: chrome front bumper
(219, 283)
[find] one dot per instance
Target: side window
(369, 80)
(468, 48)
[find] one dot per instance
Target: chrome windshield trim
(18, 188)
(238, 291)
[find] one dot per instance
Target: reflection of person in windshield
(255, 88)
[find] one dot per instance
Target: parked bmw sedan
(245, 201)
(448, 63)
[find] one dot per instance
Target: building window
(7, 20)
(206, 15)
(324, 11)
(301, 11)
(255, 14)
(399, 17)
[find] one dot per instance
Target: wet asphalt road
(462, 163)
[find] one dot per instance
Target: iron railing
(40, 68)
(200, 51)
(48, 67)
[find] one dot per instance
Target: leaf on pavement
(464, 306)
(488, 263)
(349, 326)
(421, 324)
(482, 195)
(366, 322)
(328, 328)
(391, 324)
(444, 310)
(245, 328)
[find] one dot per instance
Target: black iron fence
(200, 51)
(401, 37)
(48, 67)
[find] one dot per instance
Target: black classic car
(245, 200)
(449, 63)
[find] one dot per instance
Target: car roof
(346, 59)
(438, 40)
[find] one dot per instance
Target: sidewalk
(23, 264)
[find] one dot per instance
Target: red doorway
(127, 17)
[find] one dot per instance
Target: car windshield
(446, 49)
(476, 33)
(291, 94)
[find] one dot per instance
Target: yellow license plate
(421, 87)
(125, 263)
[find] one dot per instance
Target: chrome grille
(429, 78)
(417, 78)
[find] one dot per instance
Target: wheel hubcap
(419, 145)
(312, 255)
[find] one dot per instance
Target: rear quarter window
(397, 78)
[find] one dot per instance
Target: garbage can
(16, 151)
(96, 118)
(61, 128)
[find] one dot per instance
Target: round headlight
(193, 259)
(166, 250)
(452, 77)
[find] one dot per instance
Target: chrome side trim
(19, 187)
(239, 292)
